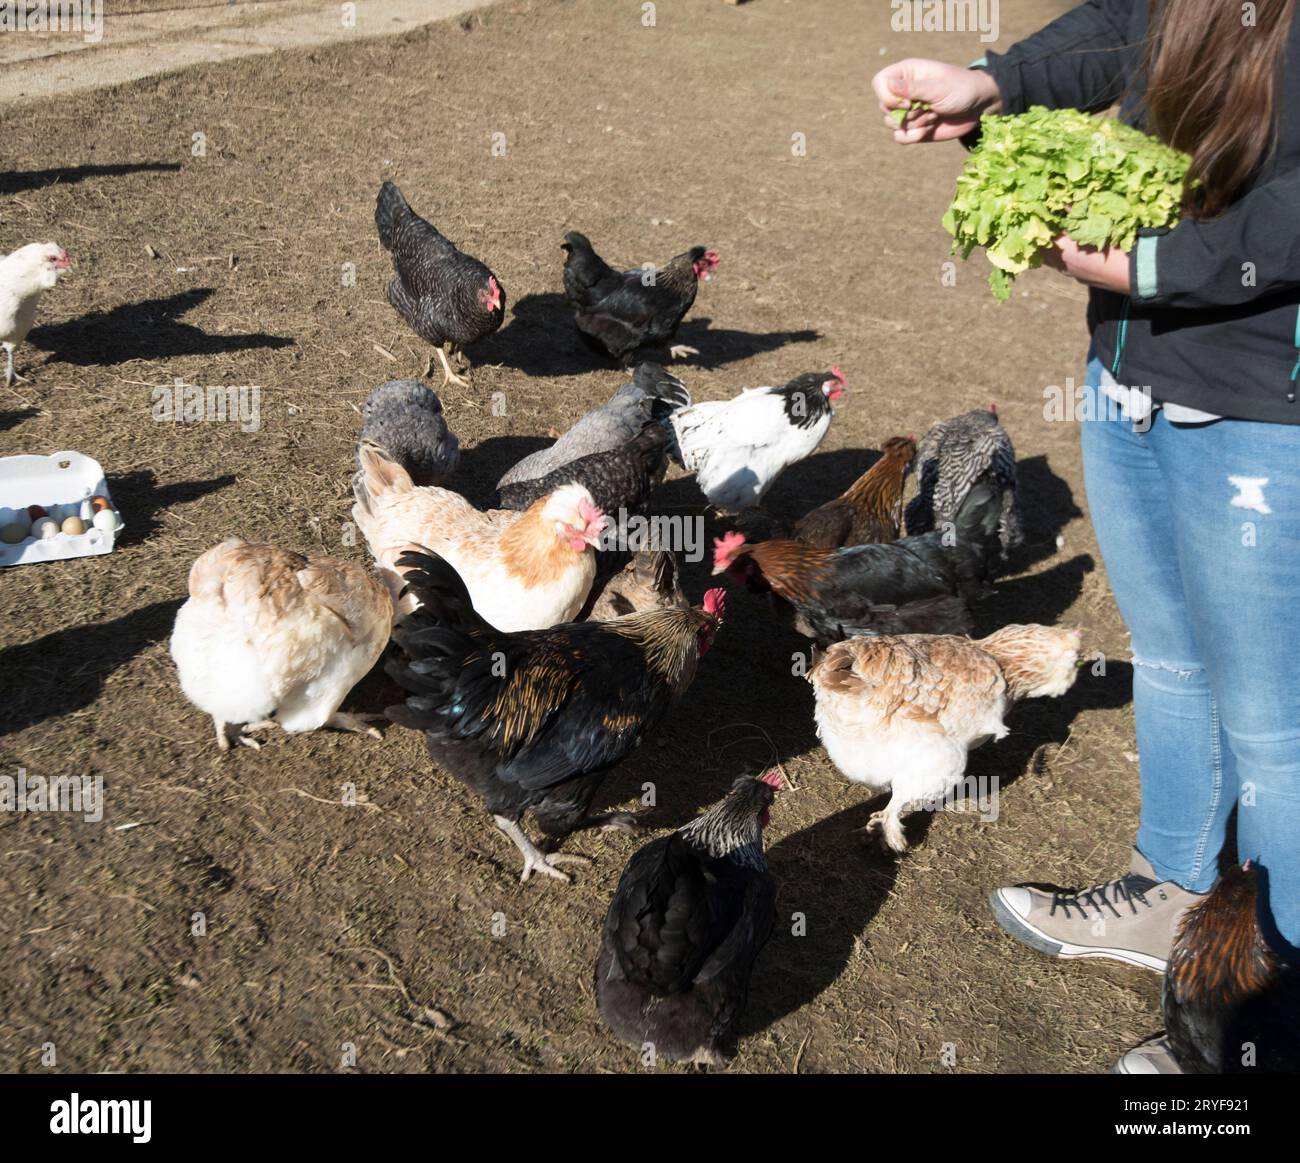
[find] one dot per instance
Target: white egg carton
(62, 478)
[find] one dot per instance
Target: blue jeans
(1199, 526)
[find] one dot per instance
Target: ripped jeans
(1199, 526)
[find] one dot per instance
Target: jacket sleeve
(1080, 61)
(1251, 250)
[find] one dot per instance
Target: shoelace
(1126, 890)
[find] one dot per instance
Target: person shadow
(541, 339)
(17, 181)
(150, 329)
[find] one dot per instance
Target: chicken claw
(681, 351)
(890, 827)
(535, 860)
(231, 733)
(343, 721)
(448, 376)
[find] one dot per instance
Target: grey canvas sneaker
(1132, 919)
(1150, 1057)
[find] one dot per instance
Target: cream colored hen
(269, 632)
(524, 571)
(902, 712)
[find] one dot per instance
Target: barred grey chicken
(405, 419)
(653, 394)
(619, 479)
(950, 458)
(448, 297)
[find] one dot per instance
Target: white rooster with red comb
(737, 448)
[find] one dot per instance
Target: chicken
(649, 581)
(525, 570)
(448, 298)
(267, 632)
(534, 720)
(1231, 1002)
(619, 479)
(691, 914)
(920, 584)
(869, 511)
(902, 712)
(24, 274)
(737, 448)
(626, 313)
(652, 395)
(405, 419)
(950, 458)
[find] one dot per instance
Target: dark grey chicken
(449, 298)
(653, 394)
(619, 479)
(690, 916)
(626, 314)
(405, 419)
(950, 458)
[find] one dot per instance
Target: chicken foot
(535, 860)
(343, 721)
(887, 823)
(10, 375)
(448, 376)
(229, 734)
(681, 351)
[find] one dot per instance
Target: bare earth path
(253, 262)
(155, 37)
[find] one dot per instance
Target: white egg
(105, 520)
(46, 528)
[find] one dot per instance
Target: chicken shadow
(65, 671)
(838, 882)
(15, 182)
(151, 329)
(140, 499)
(484, 464)
(13, 419)
(1036, 597)
(1047, 505)
(541, 339)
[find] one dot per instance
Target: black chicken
(448, 297)
(626, 313)
(691, 913)
(619, 479)
(920, 584)
(533, 720)
(1231, 1003)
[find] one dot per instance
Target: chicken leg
(449, 376)
(343, 721)
(681, 351)
(231, 733)
(535, 860)
(10, 375)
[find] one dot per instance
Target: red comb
(715, 602)
(839, 375)
(773, 779)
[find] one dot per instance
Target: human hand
(1106, 269)
(957, 99)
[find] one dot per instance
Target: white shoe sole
(1036, 939)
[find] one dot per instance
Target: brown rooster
(870, 510)
(532, 721)
(1231, 1002)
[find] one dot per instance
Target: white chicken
(737, 448)
(24, 274)
(269, 632)
(524, 571)
(902, 712)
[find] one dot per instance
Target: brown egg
(73, 525)
(35, 512)
(99, 502)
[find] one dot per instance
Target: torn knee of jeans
(1180, 669)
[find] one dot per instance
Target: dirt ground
(330, 925)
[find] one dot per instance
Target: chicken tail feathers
(390, 208)
(443, 596)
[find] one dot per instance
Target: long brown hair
(1213, 91)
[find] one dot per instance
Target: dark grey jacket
(1214, 318)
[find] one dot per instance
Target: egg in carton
(54, 507)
